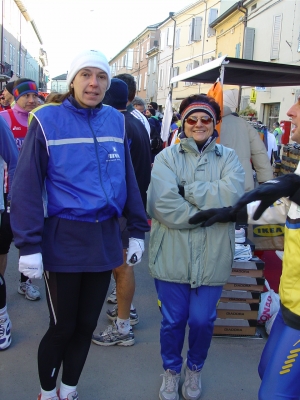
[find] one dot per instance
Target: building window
(170, 34)
(177, 38)
(154, 64)
(129, 59)
(213, 14)
(142, 53)
(249, 43)
(175, 73)
(238, 50)
(189, 67)
(195, 29)
(161, 78)
(137, 54)
(145, 81)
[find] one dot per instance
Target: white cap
(88, 58)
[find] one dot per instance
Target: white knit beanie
(88, 58)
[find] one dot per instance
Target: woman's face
(200, 132)
(90, 85)
(148, 113)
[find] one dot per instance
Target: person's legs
(75, 301)
(202, 314)
(174, 300)
(279, 367)
(125, 285)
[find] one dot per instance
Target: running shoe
(71, 396)
(169, 387)
(112, 336)
(112, 315)
(112, 298)
(30, 291)
(191, 388)
(50, 398)
(5, 335)
(240, 236)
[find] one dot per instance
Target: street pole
(171, 14)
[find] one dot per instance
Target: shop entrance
(271, 115)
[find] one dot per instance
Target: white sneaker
(112, 298)
(191, 388)
(169, 387)
(240, 236)
(30, 291)
(5, 335)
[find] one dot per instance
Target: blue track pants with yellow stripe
(279, 367)
(180, 305)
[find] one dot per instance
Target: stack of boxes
(237, 310)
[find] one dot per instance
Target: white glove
(135, 251)
(31, 266)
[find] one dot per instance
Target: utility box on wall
(286, 129)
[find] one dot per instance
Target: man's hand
(213, 215)
(31, 266)
(135, 251)
(269, 192)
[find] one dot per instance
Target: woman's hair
(55, 97)
(201, 98)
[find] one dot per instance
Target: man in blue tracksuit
(75, 165)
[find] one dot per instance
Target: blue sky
(69, 26)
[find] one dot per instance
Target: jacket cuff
(296, 197)
(30, 249)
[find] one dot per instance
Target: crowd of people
(83, 173)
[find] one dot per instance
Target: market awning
(244, 73)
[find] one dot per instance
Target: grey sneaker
(169, 387)
(191, 388)
(112, 315)
(30, 291)
(5, 335)
(112, 298)
(112, 336)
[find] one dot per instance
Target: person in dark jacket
(75, 169)
(124, 313)
(8, 155)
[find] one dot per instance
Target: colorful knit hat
(196, 107)
(24, 88)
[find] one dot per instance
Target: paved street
(120, 373)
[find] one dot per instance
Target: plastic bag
(269, 305)
(269, 323)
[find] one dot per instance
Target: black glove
(209, 217)
(181, 190)
(269, 192)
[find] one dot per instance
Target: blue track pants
(279, 367)
(180, 305)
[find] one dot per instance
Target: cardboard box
(240, 296)
(253, 268)
(245, 283)
(235, 327)
(237, 310)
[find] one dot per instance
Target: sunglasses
(205, 120)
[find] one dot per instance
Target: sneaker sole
(32, 298)
(108, 300)
(160, 398)
(132, 322)
(120, 343)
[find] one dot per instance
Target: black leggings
(75, 301)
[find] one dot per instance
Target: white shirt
(137, 114)
(272, 145)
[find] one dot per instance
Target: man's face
(8, 96)
(139, 107)
(294, 114)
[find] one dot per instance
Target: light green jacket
(184, 253)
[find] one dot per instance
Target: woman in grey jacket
(190, 264)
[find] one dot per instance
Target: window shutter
(238, 50)
(298, 43)
(213, 13)
(197, 28)
(188, 68)
(196, 64)
(175, 73)
(249, 43)
(137, 54)
(129, 59)
(177, 38)
(170, 36)
(154, 65)
(276, 37)
(162, 40)
(145, 81)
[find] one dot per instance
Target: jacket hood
(226, 111)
